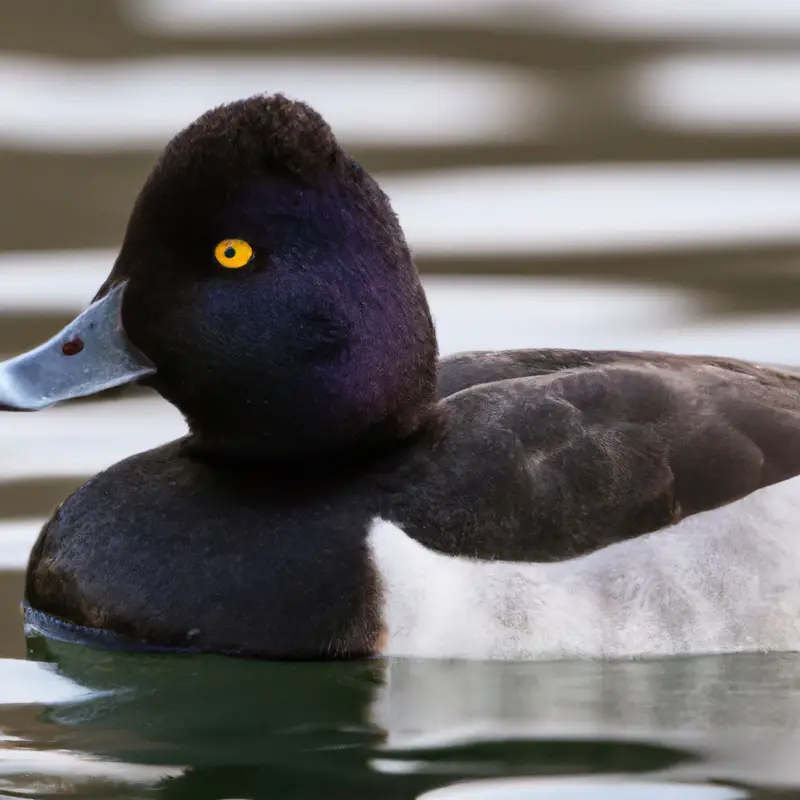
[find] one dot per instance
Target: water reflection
(770, 19)
(773, 18)
(253, 17)
(56, 105)
(705, 92)
(213, 727)
(506, 210)
(431, 703)
(566, 789)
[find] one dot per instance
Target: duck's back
(620, 444)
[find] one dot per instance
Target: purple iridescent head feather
(324, 343)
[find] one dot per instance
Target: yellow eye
(233, 253)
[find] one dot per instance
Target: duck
(342, 492)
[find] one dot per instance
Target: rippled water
(577, 173)
(104, 724)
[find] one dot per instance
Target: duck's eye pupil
(230, 252)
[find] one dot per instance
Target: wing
(606, 446)
(463, 370)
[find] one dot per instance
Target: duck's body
(584, 468)
(343, 493)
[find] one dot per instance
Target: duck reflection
(213, 727)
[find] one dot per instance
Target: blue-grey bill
(101, 358)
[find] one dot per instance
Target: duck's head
(264, 287)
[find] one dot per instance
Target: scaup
(343, 492)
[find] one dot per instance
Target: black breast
(167, 550)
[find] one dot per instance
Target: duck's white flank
(721, 581)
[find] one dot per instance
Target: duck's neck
(320, 429)
(353, 403)
(307, 452)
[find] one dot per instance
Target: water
(591, 173)
(113, 725)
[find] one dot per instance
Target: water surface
(110, 724)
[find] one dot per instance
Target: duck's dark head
(264, 287)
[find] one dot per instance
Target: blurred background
(573, 173)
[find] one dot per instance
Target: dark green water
(630, 179)
(210, 727)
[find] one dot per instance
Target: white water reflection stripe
(67, 765)
(583, 208)
(690, 18)
(81, 439)
(484, 313)
(17, 537)
(740, 94)
(72, 106)
(255, 17)
(738, 18)
(51, 281)
(607, 787)
(31, 682)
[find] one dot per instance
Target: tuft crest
(267, 131)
